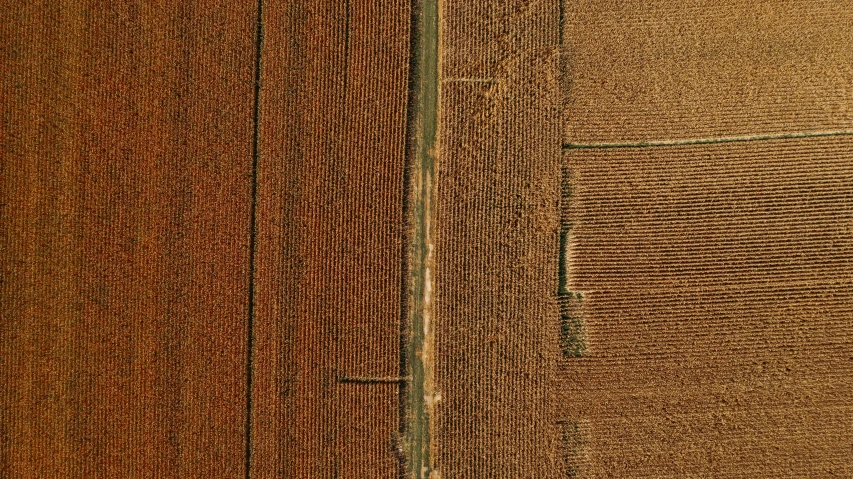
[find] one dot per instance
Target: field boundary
(707, 141)
(417, 334)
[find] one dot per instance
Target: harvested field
(652, 70)
(684, 311)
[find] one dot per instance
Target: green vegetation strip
(422, 131)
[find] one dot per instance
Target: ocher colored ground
(717, 310)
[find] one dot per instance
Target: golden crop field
(426, 239)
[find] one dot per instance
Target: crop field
(426, 239)
(327, 392)
(651, 202)
(706, 211)
(716, 309)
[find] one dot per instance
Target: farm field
(426, 239)
(706, 224)
(125, 220)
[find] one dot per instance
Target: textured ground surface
(496, 220)
(715, 278)
(330, 229)
(685, 311)
(127, 194)
(125, 202)
(204, 239)
(716, 310)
